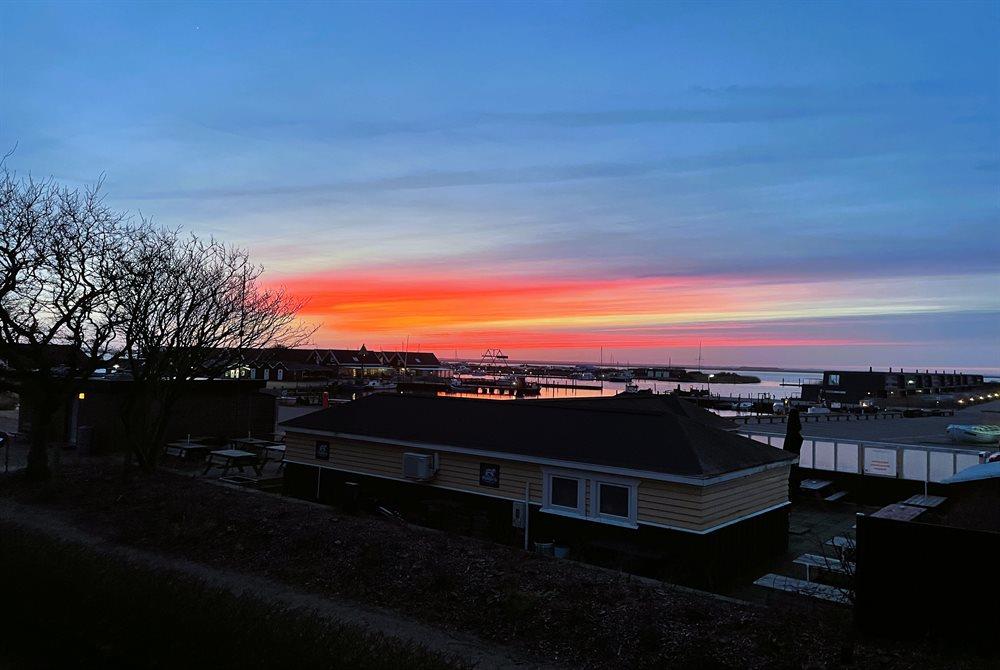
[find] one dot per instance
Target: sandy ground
(926, 430)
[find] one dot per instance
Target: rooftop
(608, 434)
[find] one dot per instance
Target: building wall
(732, 555)
(682, 506)
(217, 408)
(915, 579)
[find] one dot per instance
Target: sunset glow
(810, 185)
(459, 311)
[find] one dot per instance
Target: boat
(380, 385)
(618, 376)
(818, 409)
(976, 433)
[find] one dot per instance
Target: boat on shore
(974, 433)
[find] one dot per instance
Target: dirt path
(465, 648)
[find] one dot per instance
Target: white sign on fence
(880, 462)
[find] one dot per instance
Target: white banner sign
(880, 462)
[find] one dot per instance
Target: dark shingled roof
(616, 437)
(648, 401)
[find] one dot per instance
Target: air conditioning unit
(420, 467)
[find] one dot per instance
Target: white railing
(879, 459)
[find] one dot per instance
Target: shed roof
(648, 401)
(611, 436)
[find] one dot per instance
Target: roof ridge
(524, 403)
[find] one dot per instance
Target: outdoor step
(802, 587)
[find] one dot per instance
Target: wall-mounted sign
(323, 451)
(880, 462)
(489, 475)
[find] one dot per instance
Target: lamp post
(710, 384)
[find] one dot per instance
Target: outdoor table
(268, 450)
(921, 500)
(814, 484)
(274, 451)
(253, 442)
(186, 450)
(899, 512)
(231, 458)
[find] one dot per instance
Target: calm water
(770, 383)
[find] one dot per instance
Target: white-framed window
(564, 493)
(834, 380)
(253, 373)
(612, 500)
(281, 374)
(267, 373)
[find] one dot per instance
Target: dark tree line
(84, 287)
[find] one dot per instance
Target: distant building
(851, 387)
(624, 482)
(288, 368)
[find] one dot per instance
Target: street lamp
(710, 384)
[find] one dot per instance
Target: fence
(805, 417)
(878, 459)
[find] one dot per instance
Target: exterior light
(81, 395)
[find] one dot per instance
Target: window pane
(614, 500)
(564, 492)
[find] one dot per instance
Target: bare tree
(60, 253)
(195, 309)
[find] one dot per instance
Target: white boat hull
(976, 434)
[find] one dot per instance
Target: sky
(782, 184)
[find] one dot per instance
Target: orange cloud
(466, 309)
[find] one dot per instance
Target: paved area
(925, 430)
(810, 524)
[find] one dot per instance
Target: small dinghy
(979, 434)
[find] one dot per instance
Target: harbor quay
(924, 430)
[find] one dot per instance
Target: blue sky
(799, 183)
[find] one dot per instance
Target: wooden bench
(834, 497)
(811, 561)
(839, 542)
(802, 588)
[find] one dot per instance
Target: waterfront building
(297, 368)
(617, 481)
(851, 387)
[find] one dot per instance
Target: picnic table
(232, 458)
(186, 450)
(267, 449)
(921, 500)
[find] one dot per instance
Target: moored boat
(976, 433)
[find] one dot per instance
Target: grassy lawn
(556, 610)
